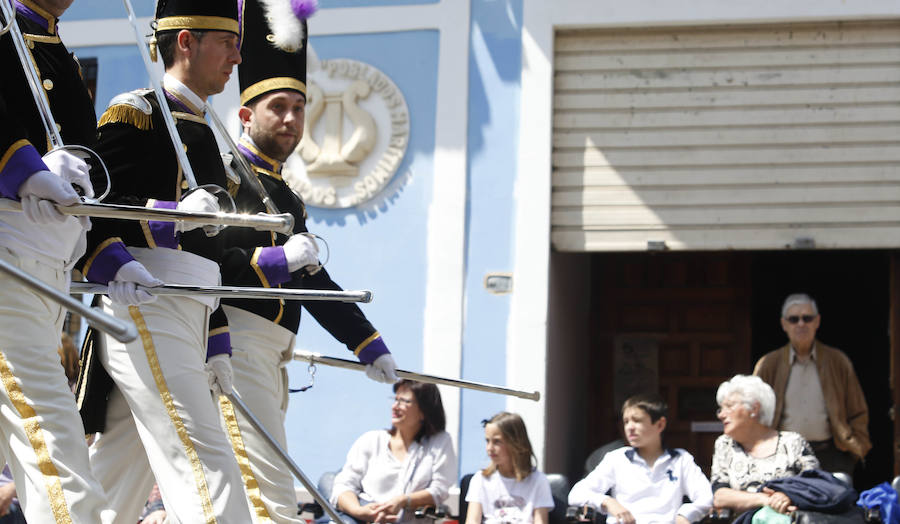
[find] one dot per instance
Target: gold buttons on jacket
(48, 84)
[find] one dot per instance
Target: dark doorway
(674, 323)
(711, 315)
(852, 291)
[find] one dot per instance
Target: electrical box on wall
(498, 283)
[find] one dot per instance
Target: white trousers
(41, 435)
(163, 418)
(257, 349)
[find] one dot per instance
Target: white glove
(72, 168)
(198, 201)
(384, 369)
(123, 288)
(301, 251)
(220, 374)
(39, 193)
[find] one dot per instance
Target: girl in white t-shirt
(510, 490)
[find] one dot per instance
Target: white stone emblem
(356, 134)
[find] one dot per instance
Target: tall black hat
(273, 48)
(199, 15)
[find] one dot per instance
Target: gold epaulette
(126, 114)
(128, 108)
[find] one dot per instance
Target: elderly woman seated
(390, 472)
(751, 453)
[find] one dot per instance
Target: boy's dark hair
(165, 45)
(651, 403)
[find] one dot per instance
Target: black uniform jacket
(61, 79)
(136, 147)
(345, 321)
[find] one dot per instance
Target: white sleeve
(543, 497)
(351, 475)
(475, 489)
(591, 490)
(697, 488)
(443, 472)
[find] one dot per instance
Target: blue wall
(494, 73)
(91, 9)
(325, 4)
(381, 247)
(119, 69)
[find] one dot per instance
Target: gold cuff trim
(202, 23)
(100, 248)
(169, 403)
(217, 331)
(32, 427)
(251, 485)
(254, 263)
(365, 343)
(17, 145)
(272, 84)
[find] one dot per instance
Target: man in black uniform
(41, 436)
(262, 331)
(160, 416)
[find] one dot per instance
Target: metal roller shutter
(733, 137)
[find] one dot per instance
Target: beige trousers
(162, 418)
(41, 435)
(258, 346)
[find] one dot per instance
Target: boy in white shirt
(644, 483)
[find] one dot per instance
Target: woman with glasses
(391, 472)
(751, 453)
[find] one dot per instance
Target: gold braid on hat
(152, 42)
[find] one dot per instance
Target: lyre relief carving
(354, 138)
(333, 157)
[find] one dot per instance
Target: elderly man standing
(817, 392)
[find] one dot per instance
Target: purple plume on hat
(304, 8)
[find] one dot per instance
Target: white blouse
(375, 474)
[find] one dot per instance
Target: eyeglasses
(794, 319)
(402, 401)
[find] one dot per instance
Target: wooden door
(688, 317)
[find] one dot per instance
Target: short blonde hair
(752, 391)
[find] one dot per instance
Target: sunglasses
(793, 319)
